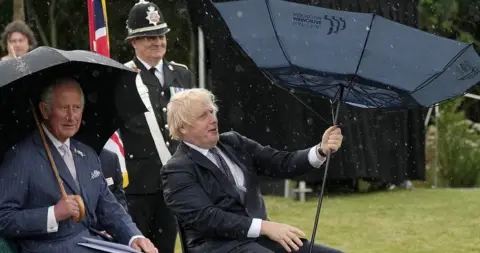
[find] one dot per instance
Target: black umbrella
(358, 58)
(109, 87)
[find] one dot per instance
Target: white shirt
(52, 224)
(254, 231)
(158, 70)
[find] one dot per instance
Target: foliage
(456, 19)
(457, 143)
(458, 151)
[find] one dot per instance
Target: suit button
(167, 143)
(163, 93)
(164, 109)
(166, 126)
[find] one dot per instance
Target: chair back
(181, 234)
(7, 247)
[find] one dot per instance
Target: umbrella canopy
(109, 88)
(377, 62)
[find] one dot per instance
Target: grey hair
(47, 94)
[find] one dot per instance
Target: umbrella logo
(467, 71)
(306, 20)
(336, 24)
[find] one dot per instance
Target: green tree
(456, 19)
(457, 142)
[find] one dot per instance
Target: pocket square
(95, 174)
(109, 181)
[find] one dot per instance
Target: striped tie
(68, 158)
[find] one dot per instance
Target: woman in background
(17, 40)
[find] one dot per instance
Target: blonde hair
(185, 107)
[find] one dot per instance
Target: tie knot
(64, 148)
(214, 150)
(152, 70)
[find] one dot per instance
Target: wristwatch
(320, 151)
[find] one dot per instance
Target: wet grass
(422, 220)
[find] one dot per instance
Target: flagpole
(99, 43)
(201, 58)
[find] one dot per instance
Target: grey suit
(28, 186)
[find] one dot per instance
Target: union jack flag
(99, 43)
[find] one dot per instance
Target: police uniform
(146, 139)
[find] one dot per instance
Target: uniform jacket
(142, 161)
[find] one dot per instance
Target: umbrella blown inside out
(377, 62)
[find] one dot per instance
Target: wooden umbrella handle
(78, 199)
(49, 152)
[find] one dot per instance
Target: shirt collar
(197, 148)
(159, 65)
(54, 140)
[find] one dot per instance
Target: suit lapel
(204, 162)
(63, 170)
(230, 152)
(83, 176)
(148, 78)
(168, 74)
(233, 155)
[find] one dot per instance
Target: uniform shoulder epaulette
(179, 64)
(131, 65)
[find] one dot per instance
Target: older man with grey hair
(211, 183)
(32, 209)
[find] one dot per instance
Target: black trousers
(265, 245)
(154, 220)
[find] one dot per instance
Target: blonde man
(211, 182)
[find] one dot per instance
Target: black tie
(152, 70)
(222, 164)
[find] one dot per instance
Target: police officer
(146, 139)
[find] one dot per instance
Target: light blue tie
(68, 158)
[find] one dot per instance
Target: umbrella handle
(78, 199)
(320, 199)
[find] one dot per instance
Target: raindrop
(367, 28)
(238, 68)
(93, 97)
(267, 129)
(309, 121)
(239, 14)
(95, 73)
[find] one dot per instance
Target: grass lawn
(422, 220)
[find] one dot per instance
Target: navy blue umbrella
(361, 59)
